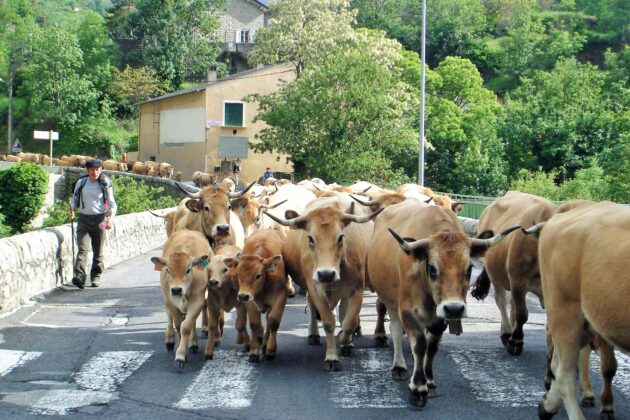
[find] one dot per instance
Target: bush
(57, 214)
(22, 193)
(133, 197)
(4, 229)
(537, 183)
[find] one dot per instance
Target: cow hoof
(399, 373)
(331, 365)
(431, 384)
(254, 358)
(263, 350)
(588, 402)
(209, 356)
(505, 338)
(179, 364)
(358, 332)
(193, 349)
(381, 341)
(246, 347)
(170, 346)
(515, 349)
(542, 413)
(216, 343)
(417, 398)
(313, 340)
(204, 334)
(270, 356)
(607, 415)
(346, 351)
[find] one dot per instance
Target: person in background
(94, 198)
(268, 174)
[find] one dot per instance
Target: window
(245, 36)
(233, 114)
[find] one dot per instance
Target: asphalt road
(100, 352)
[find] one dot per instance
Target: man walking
(94, 198)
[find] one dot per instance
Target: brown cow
(202, 179)
(12, 158)
(326, 255)
(262, 287)
(584, 268)
(169, 220)
(222, 296)
(140, 168)
(512, 265)
(114, 165)
(184, 280)
(423, 287)
(178, 176)
(165, 170)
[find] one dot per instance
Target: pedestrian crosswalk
(231, 382)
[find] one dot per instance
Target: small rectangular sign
(45, 135)
(213, 123)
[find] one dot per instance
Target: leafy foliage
(133, 197)
(57, 214)
(22, 192)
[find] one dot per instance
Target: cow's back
(585, 256)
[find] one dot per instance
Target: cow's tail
(482, 286)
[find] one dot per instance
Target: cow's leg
(586, 388)
(221, 325)
(320, 301)
(241, 326)
(187, 332)
(169, 335)
(214, 312)
(549, 355)
(418, 388)
(506, 327)
(273, 323)
(608, 364)
(204, 320)
(399, 368)
(350, 322)
(256, 327)
(313, 329)
(566, 327)
(343, 310)
(434, 335)
(380, 336)
(519, 318)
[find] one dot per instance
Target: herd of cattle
(244, 250)
(148, 168)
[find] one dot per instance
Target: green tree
(349, 118)
(466, 154)
(133, 85)
(304, 32)
(22, 192)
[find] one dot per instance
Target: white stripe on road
(227, 381)
(498, 380)
(59, 402)
(621, 381)
(366, 381)
(10, 359)
(105, 371)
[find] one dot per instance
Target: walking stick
(72, 229)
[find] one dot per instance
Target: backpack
(104, 181)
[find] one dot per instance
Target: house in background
(239, 22)
(209, 128)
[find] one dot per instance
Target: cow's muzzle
(326, 275)
(243, 297)
(176, 291)
(213, 283)
(221, 230)
(451, 310)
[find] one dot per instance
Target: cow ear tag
(204, 263)
(271, 267)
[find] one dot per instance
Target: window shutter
(238, 36)
(252, 36)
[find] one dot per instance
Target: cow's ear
(231, 262)
(193, 205)
(201, 263)
(159, 263)
(238, 255)
(486, 234)
(272, 262)
(292, 214)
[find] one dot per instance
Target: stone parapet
(36, 262)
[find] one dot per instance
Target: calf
(183, 278)
(262, 287)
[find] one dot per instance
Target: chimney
(212, 75)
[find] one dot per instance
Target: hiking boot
(95, 282)
(77, 281)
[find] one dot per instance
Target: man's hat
(94, 163)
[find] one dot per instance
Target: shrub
(22, 193)
(57, 214)
(133, 197)
(4, 229)
(538, 183)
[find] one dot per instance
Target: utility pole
(10, 111)
(422, 94)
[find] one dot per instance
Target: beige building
(209, 127)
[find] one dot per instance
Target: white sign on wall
(183, 125)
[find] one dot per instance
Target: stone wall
(37, 262)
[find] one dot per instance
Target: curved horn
(284, 222)
(429, 200)
(362, 219)
(366, 190)
(363, 202)
(316, 187)
(273, 206)
(534, 230)
(495, 239)
(240, 193)
(157, 215)
(406, 245)
(188, 193)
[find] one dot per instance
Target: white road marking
(227, 381)
(498, 380)
(366, 382)
(59, 402)
(10, 359)
(107, 370)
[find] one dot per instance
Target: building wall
(239, 14)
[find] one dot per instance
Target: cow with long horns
(424, 286)
(325, 253)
